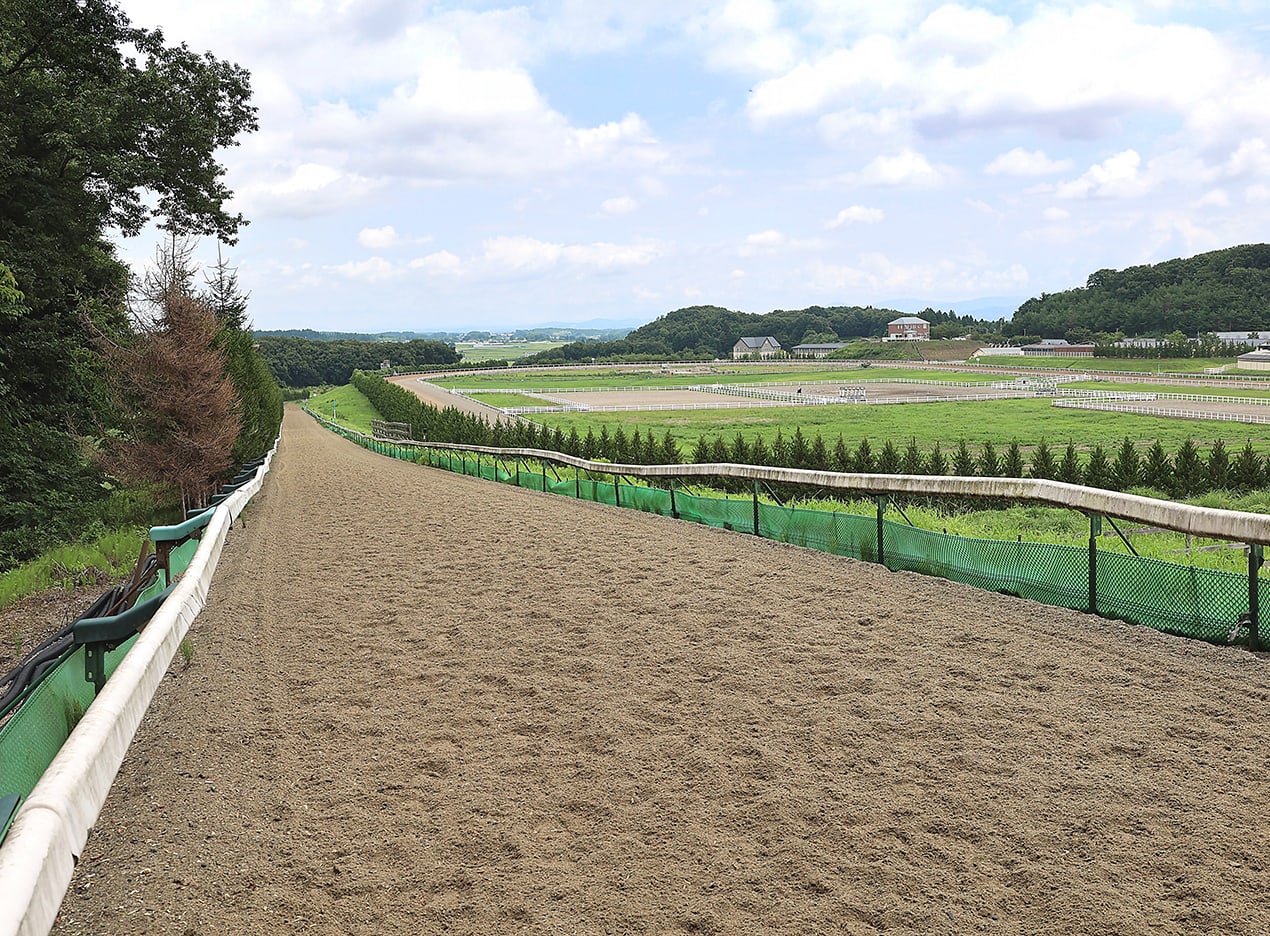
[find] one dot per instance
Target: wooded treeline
(304, 362)
(105, 126)
(1223, 290)
(709, 332)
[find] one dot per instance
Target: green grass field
(506, 400)
(1129, 365)
(598, 380)
(475, 354)
(1000, 422)
(347, 404)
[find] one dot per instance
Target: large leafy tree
(104, 126)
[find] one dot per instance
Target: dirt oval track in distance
(423, 703)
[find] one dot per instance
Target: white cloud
(528, 254)
(372, 270)
(745, 36)
(1077, 71)
(768, 238)
(1054, 213)
(1250, 158)
(907, 168)
(442, 261)
(377, 238)
(1115, 177)
(1021, 162)
(856, 214)
(621, 205)
(877, 273)
(1215, 198)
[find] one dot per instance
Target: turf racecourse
(420, 702)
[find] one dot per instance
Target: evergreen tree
(1189, 475)
(1219, 475)
(1069, 469)
(1012, 464)
(557, 440)
(604, 445)
(636, 447)
(590, 445)
(740, 453)
(888, 459)
(573, 445)
(819, 460)
(841, 456)
(912, 463)
(799, 452)
(760, 454)
(863, 462)
(1127, 468)
(619, 447)
(669, 449)
(936, 463)
(1248, 470)
(1042, 465)
(780, 451)
(701, 451)
(963, 463)
(989, 465)
(1157, 470)
(1097, 469)
(718, 450)
(651, 452)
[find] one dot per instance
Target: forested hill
(1224, 290)
(299, 362)
(710, 331)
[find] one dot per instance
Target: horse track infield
(419, 702)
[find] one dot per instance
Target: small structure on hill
(1057, 347)
(1255, 360)
(907, 328)
(764, 347)
(816, 350)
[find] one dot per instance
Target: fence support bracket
(881, 501)
(1256, 556)
(1095, 529)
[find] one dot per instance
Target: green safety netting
(36, 731)
(1203, 603)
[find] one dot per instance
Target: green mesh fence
(1202, 603)
(36, 731)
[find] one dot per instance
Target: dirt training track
(419, 702)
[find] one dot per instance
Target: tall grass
(107, 557)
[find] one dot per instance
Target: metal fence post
(756, 530)
(1095, 528)
(1256, 556)
(617, 497)
(881, 509)
(674, 511)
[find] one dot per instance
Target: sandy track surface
(420, 702)
(441, 397)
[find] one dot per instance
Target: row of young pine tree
(1188, 472)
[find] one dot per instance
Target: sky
(445, 166)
